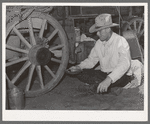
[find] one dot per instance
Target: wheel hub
(39, 55)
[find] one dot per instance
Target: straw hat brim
(93, 28)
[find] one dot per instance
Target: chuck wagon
(39, 45)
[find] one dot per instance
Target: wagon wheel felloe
(36, 56)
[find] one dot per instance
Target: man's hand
(103, 86)
(74, 68)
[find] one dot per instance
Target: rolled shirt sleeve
(91, 61)
(123, 63)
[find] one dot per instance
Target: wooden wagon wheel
(136, 24)
(39, 68)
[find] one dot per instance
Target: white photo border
(66, 115)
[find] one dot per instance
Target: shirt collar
(108, 43)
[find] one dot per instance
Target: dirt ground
(66, 96)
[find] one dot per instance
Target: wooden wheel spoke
(16, 61)
(31, 32)
(141, 32)
(20, 72)
(31, 71)
(50, 71)
(134, 23)
(139, 28)
(42, 28)
(38, 69)
(129, 27)
(9, 84)
(56, 60)
(16, 49)
(21, 37)
(56, 47)
(52, 35)
(7, 78)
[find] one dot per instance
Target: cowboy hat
(102, 21)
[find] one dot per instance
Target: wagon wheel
(136, 24)
(39, 68)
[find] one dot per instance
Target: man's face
(102, 34)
